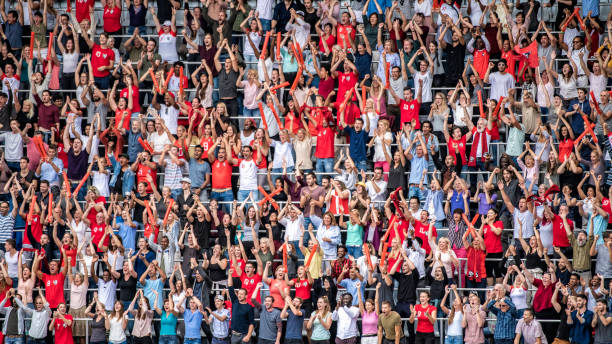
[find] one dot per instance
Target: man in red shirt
(346, 31)
(346, 79)
(221, 168)
(250, 278)
(146, 170)
(102, 59)
(54, 281)
(421, 229)
(409, 107)
(542, 304)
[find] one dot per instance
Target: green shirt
(354, 234)
(146, 64)
(240, 17)
(582, 258)
(516, 138)
(388, 323)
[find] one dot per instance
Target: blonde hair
(30, 114)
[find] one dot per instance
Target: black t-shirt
(201, 230)
(138, 208)
(455, 55)
(563, 331)
(127, 289)
(407, 290)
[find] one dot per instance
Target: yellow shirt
(315, 263)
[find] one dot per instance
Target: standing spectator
(529, 330)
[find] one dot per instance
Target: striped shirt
(173, 175)
(7, 223)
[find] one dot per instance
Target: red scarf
(479, 138)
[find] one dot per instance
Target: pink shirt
(369, 323)
(78, 295)
(250, 94)
(473, 332)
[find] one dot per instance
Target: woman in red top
(123, 108)
(276, 285)
(457, 143)
(565, 135)
(491, 231)
(476, 253)
(69, 244)
(327, 37)
(112, 19)
(303, 284)
(62, 323)
(425, 313)
(261, 145)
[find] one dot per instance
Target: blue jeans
(278, 172)
(225, 196)
(251, 62)
(167, 339)
(325, 165)
(13, 165)
(36, 341)
(19, 340)
(480, 166)
(354, 251)
(243, 194)
(298, 252)
(142, 30)
(415, 191)
(192, 341)
(253, 113)
(454, 340)
(361, 165)
(266, 24)
(82, 190)
(102, 82)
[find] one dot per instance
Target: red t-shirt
(54, 288)
(461, 146)
(492, 240)
(302, 288)
(346, 81)
(35, 228)
(325, 143)
(151, 229)
(123, 117)
(319, 115)
(112, 19)
(410, 111)
(221, 174)
(350, 113)
(481, 62)
(61, 153)
(82, 9)
(239, 267)
(264, 158)
(420, 231)
(511, 59)
(206, 143)
(91, 216)
(424, 325)
(292, 123)
(605, 205)
(63, 332)
(135, 98)
(72, 253)
(141, 176)
(97, 232)
(402, 225)
(559, 236)
(345, 31)
(3, 292)
(101, 57)
(249, 284)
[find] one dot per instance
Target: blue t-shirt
(168, 324)
(193, 320)
(156, 285)
(357, 147)
(351, 287)
(576, 121)
(198, 172)
(363, 62)
(139, 265)
(294, 325)
(581, 333)
(127, 234)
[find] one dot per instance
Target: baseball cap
(186, 180)
(167, 23)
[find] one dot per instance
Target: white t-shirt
(500, 84)
(256, 38)
(13, 146)
(170, 116)
(158, 142)
(167, 46)
(265, 9)
(248, 174)
(282, 151)
(427, 83)
(100, 181)
(377, 196)
(106, 293)
(526, 218)
(379, 154)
